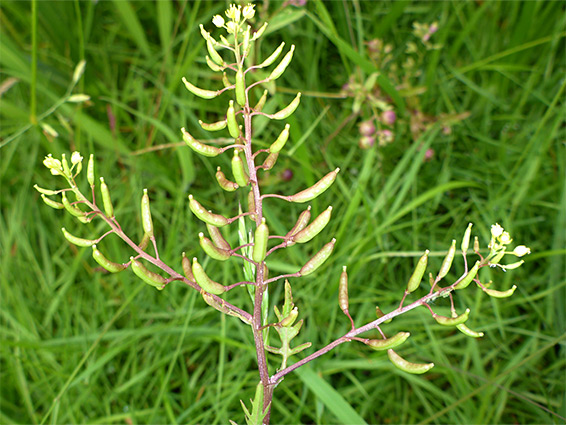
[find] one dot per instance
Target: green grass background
(80, 346)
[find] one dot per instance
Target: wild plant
(249, 159)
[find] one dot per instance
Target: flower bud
(343, 301)
(521, 250)
(388, 117)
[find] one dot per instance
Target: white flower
(76, 158)
(496, 230)
(234, 13)
(218, 21)
(231, 27)
(248, 11)
(52, 164)
(521, 250)
(505, 238)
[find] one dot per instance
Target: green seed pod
(261, 102)
(187, 269)
(106, 200)
(388, 343)
(476, 245)
(447, 263)
(259, 32)
(288, 110)
(206, 216)
(204, 281)
(270, 161)
(105, 262)
(260, 242)
(204, 33)
(246, 42)
(251, 204)
(217, 238)
(468, 332)
(213, 66)
(452, 321)
(405, 366)
(90, 170)
(280, 69)
(202, 93)
(466, 239)
(281, 140)
(380, 314)
(343, 291)
(301, 223)
(214, 126)
(145, 241)
(240, 87)
(319, 258)
(47, 192)
(74, 211)
(233, 128)
(147, 222)
(313, 229)
(204, 150)
(240, 175)
(290, 319)
(417, 275)
(469, 277)
(272, 58)
(500, 294)
(213, 53)
(77, 241)
(212, 250)
(66, 169)
(224, 183)
(52, 203)
(316, 189)
(225, 81)
(222, 307)
(146, 275)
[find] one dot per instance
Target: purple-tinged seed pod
(270, 161)
(222, 307)
(52, 203)
(187, 269)
(206, 216)
(406, 366)
(469, 277)
(280, 68)
(301, 223)
(147, 221)
(316, 189)
(452, 321)
(149, 277)
(204, 281)
(201, 148)
(202, 93)
(273, 57)
(213, 126)
(319, 258)
(217, 237)
(417, 276)
(238, 170)
(288, 110)
(313, 229)
(110, 266)
(144, 242)
(212, 250)
(233, 128)
(380, 314)
(388, 343)
(447, 263)
(251, 205)
(261, 102)
(240, 87)
(343, 291)
(224, 183)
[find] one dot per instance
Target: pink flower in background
(389, 117)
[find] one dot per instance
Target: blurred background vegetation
(478, 137)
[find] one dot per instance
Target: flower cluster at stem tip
(236, 15)
(498, 245)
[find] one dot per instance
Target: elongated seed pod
(212, 250)
(452, 321)
(226, 82)
(316, 189)
(288, 110)
(447, 262)
(217, 237)
(272, 57)
(343, 291)
(147, 221)
(149, 277)
(270, 161)
(417, 276)
(187, 269)
(52, 203)
(497, 258)
(466, 239)
(301, 223)
(77, 241)
(282, 66)
(222, 307)
(74, 211)
(106, 200)
(261, 102)
(281, 140)
(260, 242)
(90, 170)
(388, 343)
(468, 332)
(204, 281)
(202, 93)
(233, 128)
(214, 55)
(251, 204)
(319, 258)
(145, 241)
(476, 245)
(204, 150)
(313, 229)
(213, 126)
(111, 266)
(500, 294)
(240, 174)
(47, 192)
(406, 366)
(240, 87)
(224, 183)
(290, 319)
(204, 33)
(206, 216)
(380, 314)
(259, 32)
(246, 42)
(469, 277)
(66, 169)
(214, 66)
